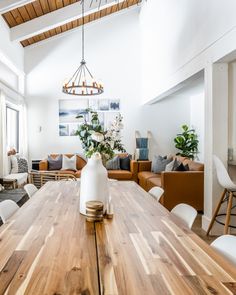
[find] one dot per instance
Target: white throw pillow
(68, 163)
(169, 167)
(14, 164)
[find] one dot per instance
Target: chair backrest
(226, 245)
(7, 209)
(31, 189)
(222, 175)
(156, 192)
(185, 212)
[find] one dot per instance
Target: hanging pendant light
(82, 83)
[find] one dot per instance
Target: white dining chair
(31, 189)
(7, 209)
(226, 245)
(227, 195)
(186, 213)
(156, 192)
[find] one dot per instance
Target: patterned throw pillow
(113, 164)
(182, 167)
(22, 165)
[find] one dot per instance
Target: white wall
(8, 77)
(113, 54)
(180, 38)
(197, 109)
(11, 53)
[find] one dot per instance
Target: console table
(47, 247)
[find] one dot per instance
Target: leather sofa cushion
(120, 174)
(146, 175)
(78, 174)
(153, 181)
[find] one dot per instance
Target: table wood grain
(147, 250)
(48, 248)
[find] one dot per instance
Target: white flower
(112, 144)
(96, 136)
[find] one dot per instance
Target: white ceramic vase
(94, 182)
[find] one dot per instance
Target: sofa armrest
(43, 165)
(144, 166)
(134, 169)
(183, 187)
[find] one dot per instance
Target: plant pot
(94, 182)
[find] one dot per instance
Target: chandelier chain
(83, 29)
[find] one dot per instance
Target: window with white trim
(12, 128)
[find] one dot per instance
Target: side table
(8, 183)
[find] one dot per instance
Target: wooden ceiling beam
(7, 5)
(55, 19)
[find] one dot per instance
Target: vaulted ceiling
(31, 21)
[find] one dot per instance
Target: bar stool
(227, 196)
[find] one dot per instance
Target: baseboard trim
(217, 229)
(205, 222)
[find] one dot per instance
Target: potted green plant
(95, 139)
(187, 142)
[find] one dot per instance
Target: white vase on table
(94, 182)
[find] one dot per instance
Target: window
(12, 128)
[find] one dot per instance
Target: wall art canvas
(107, 110)
(114, 105)
(63, 129)
(104, 105)
(70, 108)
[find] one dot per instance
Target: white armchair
(21, 178)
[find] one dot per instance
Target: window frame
(8, 106)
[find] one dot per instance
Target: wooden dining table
(48, 248)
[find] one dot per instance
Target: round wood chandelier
(82, 83)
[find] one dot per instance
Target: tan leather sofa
(80, 163)
(179, 187)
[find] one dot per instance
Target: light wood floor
(197, 228)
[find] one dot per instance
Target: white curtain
(23, 140)
(3, 146)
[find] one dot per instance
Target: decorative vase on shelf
(94, 182)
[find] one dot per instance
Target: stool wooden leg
(216, 212)
(228, 213)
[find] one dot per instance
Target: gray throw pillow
(159, 163)
(113, 164)
(55, 163)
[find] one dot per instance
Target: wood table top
(48, 248)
